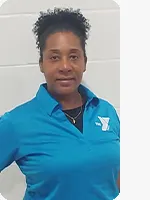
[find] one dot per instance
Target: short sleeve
(8, 142)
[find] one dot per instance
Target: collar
(49, 103)
(90, 96)
(46, 100)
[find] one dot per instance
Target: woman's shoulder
(107, 107)
(18, 112)
(106, 104)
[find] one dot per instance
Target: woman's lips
(66, 82)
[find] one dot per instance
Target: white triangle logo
(104, 121)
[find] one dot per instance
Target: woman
(65, 140)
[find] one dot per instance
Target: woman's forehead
(63, 40)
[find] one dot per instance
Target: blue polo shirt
(59, 162)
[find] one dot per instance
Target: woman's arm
(118, 182)
(8, 142)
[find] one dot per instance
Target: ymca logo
(104, 121)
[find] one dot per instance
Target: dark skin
(63, 66)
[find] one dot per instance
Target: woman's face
(63, 63)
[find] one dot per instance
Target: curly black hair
(61, 19)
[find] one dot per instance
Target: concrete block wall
(20, 76)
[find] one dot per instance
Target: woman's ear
(41, 65)
(85, 63)
(85, 60)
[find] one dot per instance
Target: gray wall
(19, 71)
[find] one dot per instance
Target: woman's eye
(54, 58)
(74, 57)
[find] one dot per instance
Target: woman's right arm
(8, 142)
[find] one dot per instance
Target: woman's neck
(70, 101)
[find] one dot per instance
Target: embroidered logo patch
(104, 123)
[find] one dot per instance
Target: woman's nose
(65, 66)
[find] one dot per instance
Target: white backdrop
(20, 76)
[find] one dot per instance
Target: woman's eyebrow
(72, 50)
(54, 50)
(75, 50)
